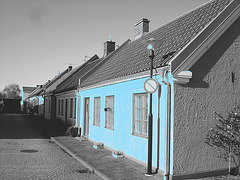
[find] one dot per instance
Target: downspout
(164, 74)
(168, 128)
(158, 127)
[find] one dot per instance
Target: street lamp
(151, 44)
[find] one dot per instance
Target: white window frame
(97, 111)
(140, 114)
(109, 113)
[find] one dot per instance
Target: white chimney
(140, 28)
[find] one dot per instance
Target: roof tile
(175, 35)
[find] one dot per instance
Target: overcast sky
(39, 38)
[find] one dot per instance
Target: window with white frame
(97, 108)
(140, 110)
(71, 107)
(75, 108)
(61, 107)
(109, 112)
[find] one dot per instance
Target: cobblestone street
(26, 154)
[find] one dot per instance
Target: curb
(104, 177)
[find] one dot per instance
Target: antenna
(70, 64)
(86, 58)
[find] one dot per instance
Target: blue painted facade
(122, 137)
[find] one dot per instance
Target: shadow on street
(15, 126)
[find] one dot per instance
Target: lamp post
(151, 43)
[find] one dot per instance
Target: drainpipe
(158, 127)
(164, 74)
(168, 127)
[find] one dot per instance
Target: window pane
(109, 113)
(71, 107)
(145, 124)
(140, 109)
(62, 108)
(97, 110)
(75, 107)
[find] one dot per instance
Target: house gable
(214, 87)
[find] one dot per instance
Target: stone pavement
(26, 154)
(100, 161)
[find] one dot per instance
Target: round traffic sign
(150, 85)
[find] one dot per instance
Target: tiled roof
(72, 81)
(133, 58)
(39, 90)
(26, 88)
(54, 85)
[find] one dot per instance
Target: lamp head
(152, 43)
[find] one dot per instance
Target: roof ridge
(78, 68)
(176, 35)
(103, 62)
(177, 18)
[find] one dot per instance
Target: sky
(40, 38)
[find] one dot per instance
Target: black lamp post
(151, 43)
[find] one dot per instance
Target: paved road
(27, 154)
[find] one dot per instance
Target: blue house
(191, 66)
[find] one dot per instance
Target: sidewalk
(99, 161)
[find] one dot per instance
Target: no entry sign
(150, 85)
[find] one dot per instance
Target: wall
(11, 105)
(121, 138)
(210, 90)
(69, 121)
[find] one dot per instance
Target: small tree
(2, 95)
(12, 91)
(225, 137)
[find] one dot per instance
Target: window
(71, 107)
(61, 107)
(109, 112)
(45, 106)
(97, 107)
(140, 109)
(75, 107)
(49, 105)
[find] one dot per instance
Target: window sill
(140, 135)
(110, 128)
(97, 125)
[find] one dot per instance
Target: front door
(86, 117)
(66, 110)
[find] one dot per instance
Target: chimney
(69, 68)
(140, 28)
(109, 47)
